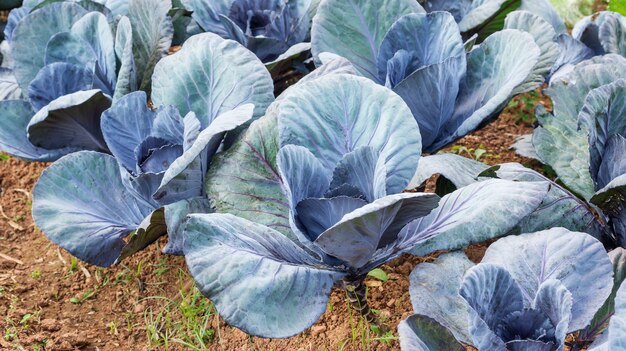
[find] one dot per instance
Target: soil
(497, 137)
(52, 302)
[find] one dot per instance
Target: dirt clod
(50, 325)
(318, 329)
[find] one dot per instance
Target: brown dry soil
(48, 301)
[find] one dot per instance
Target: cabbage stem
(357, 297)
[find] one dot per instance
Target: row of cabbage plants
(278, 189)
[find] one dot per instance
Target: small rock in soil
(22, 289)
(49, 324)
(65, 345)
(75, 339)
(7, 265)
(318, 329)
(139, 308)
(405, 268)
(373, 283)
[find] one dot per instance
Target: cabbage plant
(66, 66)
(396, 44)
(584, 138)
(527, 293)
(559, 208)
(602, 32)
(559, 50)
(102, 208)
(594, 35)
(274, 30)
(311, 196)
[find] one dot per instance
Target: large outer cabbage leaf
(603, 117)
(355, 29)
(544, 35)
(152, 36)
(560, 208)
(32, 33)
(73, 119)
(601, 319)
(244, 180)
(395, 135)
(210, 76)
(505, 203)
(259, 280)
(487, 88)
(434, 289)
(15, 117)
(91, 217)
(421, 333)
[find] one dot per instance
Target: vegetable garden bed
(50, 299)
(330, 175)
